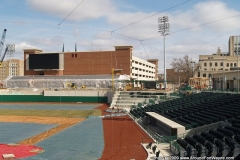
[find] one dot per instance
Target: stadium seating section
(199, 110)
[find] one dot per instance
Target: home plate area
(15, 151)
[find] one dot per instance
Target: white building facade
(143, 70)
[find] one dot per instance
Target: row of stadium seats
(221, 138)
(192, 112)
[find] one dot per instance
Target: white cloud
(46, 41)
(76, 32)
(205, 12)
(19, 49)
(89, 9)
(201, 13)
(195, 41)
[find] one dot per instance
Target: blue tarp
(16, 132)
(83, 141)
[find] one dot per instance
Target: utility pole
(179, 81)
(237, 64)
(192, 65)
(237, 50)
(163, 28)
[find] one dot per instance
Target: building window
(210, 64)
(205, 64)
(221, 64)
(227, 64)
(231, 64)
(75, 55)
(235, 64)
(216, 64)
(204, 75)
(205, 69)
(72, 55)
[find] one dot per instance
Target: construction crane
(2, 41)
(3, 57)
(1, 47)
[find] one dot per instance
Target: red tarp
(19, 151)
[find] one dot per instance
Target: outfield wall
(60, 96)
(42, 98)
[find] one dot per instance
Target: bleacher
(198, 113)
(221, 142)
(195, 110)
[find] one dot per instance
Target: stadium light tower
(163, 28)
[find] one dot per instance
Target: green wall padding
(42, 98)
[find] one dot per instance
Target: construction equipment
(2, 41)
(3, 57)
(2, 45)
(71, 85)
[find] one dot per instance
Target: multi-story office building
(121, 60)
(220, 64)
(11, 67)
(221, 61)
(233, 44)
(143, 70)
(215, 63)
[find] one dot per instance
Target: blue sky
(95, 25)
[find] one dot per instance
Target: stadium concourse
(65, 81)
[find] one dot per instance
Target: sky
(197, 27)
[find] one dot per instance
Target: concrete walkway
(164, 149)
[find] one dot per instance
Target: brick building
(89, 63)
(11, 67)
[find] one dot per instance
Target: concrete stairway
(134, 98)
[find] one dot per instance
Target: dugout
(169, 127)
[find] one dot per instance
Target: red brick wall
(88, 63)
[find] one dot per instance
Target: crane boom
(2, 41)
(3, 57)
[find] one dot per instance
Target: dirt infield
(123, 138)
(62, 122)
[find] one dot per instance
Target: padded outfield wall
(61, 96)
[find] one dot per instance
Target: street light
(163, 28)
(210, 75)
(192, 64)
(237, 51)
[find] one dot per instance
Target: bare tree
(184, 66)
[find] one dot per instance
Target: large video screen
(44, 61)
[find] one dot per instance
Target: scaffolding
(65, 82)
